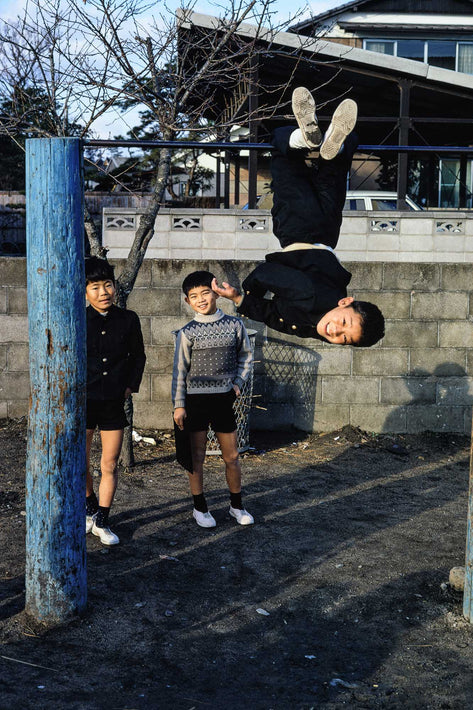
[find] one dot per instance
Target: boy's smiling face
(100, 294)
(202, 300)
(342, 325)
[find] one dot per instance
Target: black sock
(101, 519)
(200, 503)
(91, 504)
(235, 501)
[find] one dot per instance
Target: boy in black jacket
(115, 363)
(306, 279)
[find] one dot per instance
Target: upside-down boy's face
(202, 300)
(100, 294)
(342, 325)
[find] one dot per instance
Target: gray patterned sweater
(213, 353)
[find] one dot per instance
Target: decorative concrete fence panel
(247, 234)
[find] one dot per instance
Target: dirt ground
(354, 538)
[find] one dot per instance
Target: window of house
(465, 57)
(442, 53)
(449, 183)
(380, 45)
(411, 49)
(446, 54)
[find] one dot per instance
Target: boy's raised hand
(227, 291)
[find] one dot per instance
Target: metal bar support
(237, 145)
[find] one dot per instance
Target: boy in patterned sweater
(212, 360)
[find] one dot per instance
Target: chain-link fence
(286, 385)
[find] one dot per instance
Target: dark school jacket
(306, 283)
(115, 353)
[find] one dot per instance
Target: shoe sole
(343, 122)
(109, 544)
(303, 108)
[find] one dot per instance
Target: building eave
(331, 15)
(392, 27)
(366, 61)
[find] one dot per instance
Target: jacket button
(281, 320)
(104, 373)
(247, 293)
(294, 327)
(104, 359)
(103, 332)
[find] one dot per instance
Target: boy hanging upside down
(306, 279)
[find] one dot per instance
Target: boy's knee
(109, 465)
(231, 459)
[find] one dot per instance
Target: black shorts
(106, 414)
(213, 409)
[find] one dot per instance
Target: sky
(113, 124)
(10, 8)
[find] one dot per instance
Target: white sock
(296, 140)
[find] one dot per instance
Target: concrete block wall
(420, 377)
(14, 377)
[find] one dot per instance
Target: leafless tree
(83, 58)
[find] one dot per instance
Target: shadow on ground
(350, 547)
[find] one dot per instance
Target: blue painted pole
(56, 582)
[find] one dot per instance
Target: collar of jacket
(316, 260)
(210, 318)
(93, 313)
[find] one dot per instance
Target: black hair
(98, 270)
(372, 323)
(197, 278)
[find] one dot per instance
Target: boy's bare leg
(111, 447)
(89, 485)
(201, 513)
(229, 449)
(198, 447)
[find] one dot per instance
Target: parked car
(356, 200)
(375, 200)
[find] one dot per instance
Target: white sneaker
(303, 108)
(241, 516)
(107, 537)
(89, 521)
(343, 122)
(205, 520)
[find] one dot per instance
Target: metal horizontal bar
(238, 146)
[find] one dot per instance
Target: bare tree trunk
(96, 248)
(190, 173)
